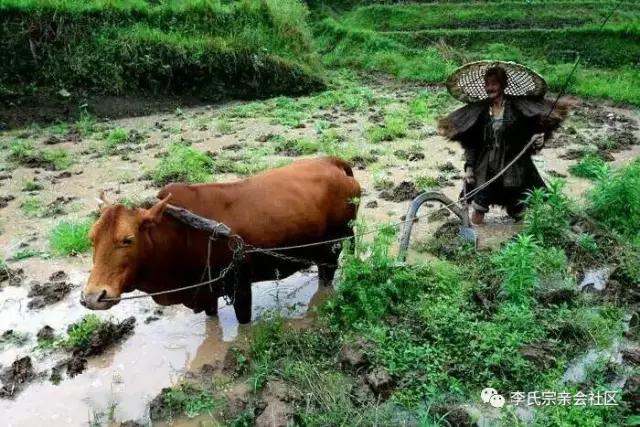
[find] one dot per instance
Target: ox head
(120, 241)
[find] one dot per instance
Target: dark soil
(631, 393)
(380, 382)
(15, 277)
(540, 354)
(557, 296)
(404, 191)
(45, 333)
(47, 294)
(372, 204)
(161, 408)
(4, 201)
(25, 110)
(16, 376)
(105, 336)
(453, 415)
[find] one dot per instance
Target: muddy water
(157, 355)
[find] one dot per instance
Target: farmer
(505, 111)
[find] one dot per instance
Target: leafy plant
(547, 215)
(183, 164)
(70, 237)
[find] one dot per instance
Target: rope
(236, 245)
(272, 251)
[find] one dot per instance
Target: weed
(517, 262)
(426, 183)
(32, 207)
(25, 153)
(25, 254)
(591, 166)
(587, 243)
(79, 334)
(32, 186)
(86, 124)
(183, 164)
(395, 126)
(547, 215)
(13, 338)
(188, 399)
(615, 200)
(224, 126)
(70, 237)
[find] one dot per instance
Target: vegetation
(615, 201)
(26, 154)
(426, 41)
(590, 166)
(183, 164)
(247, 48)
(70, 237)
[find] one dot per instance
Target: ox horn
(103, 203)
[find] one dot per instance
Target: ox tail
(342, 164)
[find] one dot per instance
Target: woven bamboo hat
(467, 82)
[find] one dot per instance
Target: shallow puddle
(127, 377)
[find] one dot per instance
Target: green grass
(224, 126)
(365, 39)
(415, 17)
(547, 214)
(25, 153)
(25, 254)
(15, 339)
(183, 164)
(394, 126)
(615, 200)
(79, 334)
(591, 166)
(32, 186)
(248, 48)
(32, 207)
(70, 237)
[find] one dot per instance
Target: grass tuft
(70, 237)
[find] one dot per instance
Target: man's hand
(538, 141)
(469, 176)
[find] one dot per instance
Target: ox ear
(153, 216)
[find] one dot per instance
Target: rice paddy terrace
(125, 96)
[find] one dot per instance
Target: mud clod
(404, 191)
(453, 415)
(631, 355)
(45, 333)
(16, 376)
(541, 354)
(372, 204)
(102, 338)
(59, 276)
(353, 355)
(4, 201)
(47, 293)
(380, 382)
(631, 393)
(237, 400)
(557, 296)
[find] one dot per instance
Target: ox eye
(127, 241)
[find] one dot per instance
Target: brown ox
(305, 202)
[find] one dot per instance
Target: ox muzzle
(100, 300)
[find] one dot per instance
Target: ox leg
(242, 303)
(242, 296)
(328, 263)
(325, 275)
